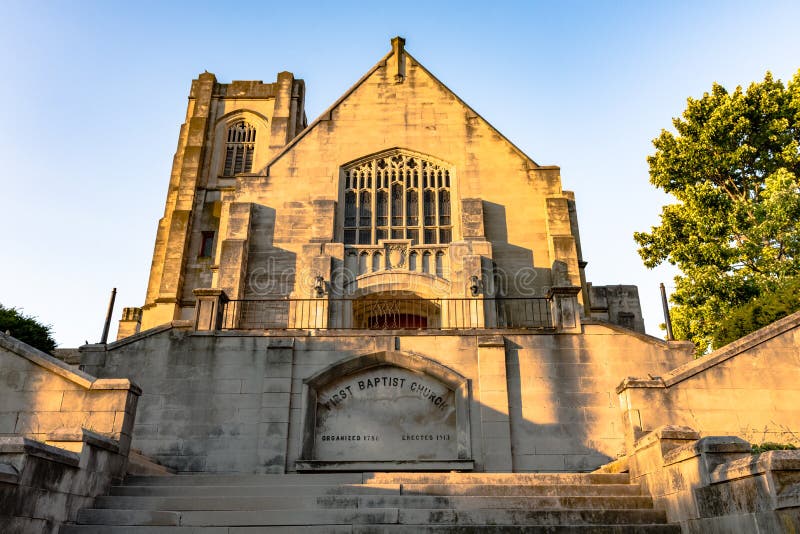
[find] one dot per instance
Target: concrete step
(530, 517)
(372, 501)
(255, 491)
(224, 518)
(380, 529)
(304, 529)
(311, 479)
(366, 503)
(519, 529)
(409, 516)
(291, 479)
(499, 490)
(496, 478)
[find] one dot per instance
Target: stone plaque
(385, 413)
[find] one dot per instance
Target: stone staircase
(374, 503)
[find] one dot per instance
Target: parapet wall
(43, 398)
(64, 438)
(749, 388)
(239, 401)
(714, 484)
(43, 487)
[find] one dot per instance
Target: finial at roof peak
(398, 48)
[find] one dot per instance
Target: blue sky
(95, 92)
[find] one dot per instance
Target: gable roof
(327, 114)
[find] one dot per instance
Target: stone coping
(328, 113)
(287, 332)
(99, 347)
(86, 436)
(670, 432)
(707, 445)
(8, 474)
(720, 355)
(304, 466)
(64, 370)
(23, 445)
(757, 464)
(638, 335)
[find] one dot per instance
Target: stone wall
(237, 401)
(64, 438)
(42, 486)
(714, 484)
(617, 305)
(748, 388)
(42, 397)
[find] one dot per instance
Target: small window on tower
(239, 148)
(207, 245)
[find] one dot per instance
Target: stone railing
(43, 486)
(397, 255)
(400, 313)
(715, 484)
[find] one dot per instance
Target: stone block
(95, 401)
(275, 399)
(226, 385)
(277, 385)
(8, 422)
(274, 414)
(14, 379)
(232, 400)
(25, 401)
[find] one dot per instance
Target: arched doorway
(390, 310)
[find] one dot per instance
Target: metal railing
(388, 313)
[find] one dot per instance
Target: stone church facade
(393, 286)
(392, 298)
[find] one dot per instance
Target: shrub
(759, 312)
(27, 329)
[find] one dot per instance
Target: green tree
(733, 165)
(759, 312)
(27, 329)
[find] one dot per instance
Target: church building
(394, 286)
(379, 322)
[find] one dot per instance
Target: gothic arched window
(239, 148)
(409, 197)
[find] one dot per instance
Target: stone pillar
(561, 240)
(232, 253)
(472, 315)
(273, 432)
(208, 311)
(472, 219)
(495, 419)
(162, 303)
(131, 322)
(565, 309)
(672, 463)
(281, 131)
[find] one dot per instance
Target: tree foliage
(27, 329)
(759, 312)
(733, 165)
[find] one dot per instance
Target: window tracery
(385, 192)
(239, 148)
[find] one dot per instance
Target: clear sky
(94, 94)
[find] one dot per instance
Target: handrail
(382, 313)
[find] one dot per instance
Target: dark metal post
(667, 319)
(104, 338)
